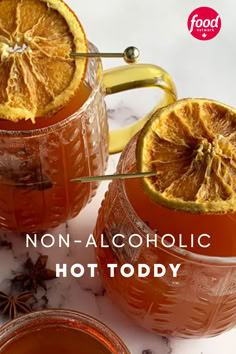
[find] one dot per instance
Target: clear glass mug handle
(136, 76)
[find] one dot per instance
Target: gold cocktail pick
(112, 177)
(130, 55)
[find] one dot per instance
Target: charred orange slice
(37, 74)
(191, 145)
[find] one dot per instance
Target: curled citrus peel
(191, 145)
(38, 76)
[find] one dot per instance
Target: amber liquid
(36, 170)
(201, 301)
(42, 122)
(220, 228)
(52, 340)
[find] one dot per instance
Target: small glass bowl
(22, 326)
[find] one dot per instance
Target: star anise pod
(15, 304)
(36, 274)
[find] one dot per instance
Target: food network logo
(204, 23)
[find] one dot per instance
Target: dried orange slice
(191, 144)
(37, 74)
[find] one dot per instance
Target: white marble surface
(200, 69)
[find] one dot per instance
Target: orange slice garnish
(37, 74)
(191, 145)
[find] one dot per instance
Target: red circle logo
(204, 23)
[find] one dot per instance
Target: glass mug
(36, 166)
(59, 331)
(201, 300)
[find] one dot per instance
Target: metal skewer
(112, 177)
(130, 55)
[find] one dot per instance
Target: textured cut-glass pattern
(36, 168)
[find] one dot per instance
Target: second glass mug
(36, 166)
(201, 301)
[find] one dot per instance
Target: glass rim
(136, 220)
(25, 322)
(83, 108)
